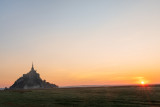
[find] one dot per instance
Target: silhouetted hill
(31, 80)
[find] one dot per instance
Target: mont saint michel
(31, 80)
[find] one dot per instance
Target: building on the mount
(31, 80)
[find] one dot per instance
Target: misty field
(83, 97)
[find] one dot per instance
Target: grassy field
(83, 97)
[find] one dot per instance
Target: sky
(80, 42)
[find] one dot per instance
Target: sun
(142, 82)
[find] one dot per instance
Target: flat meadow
(118, 96)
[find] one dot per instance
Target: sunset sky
(81, 42)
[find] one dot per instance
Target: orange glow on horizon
(84, 76)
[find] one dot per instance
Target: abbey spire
(32, 66)
(32, 69)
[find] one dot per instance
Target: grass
(83, 97)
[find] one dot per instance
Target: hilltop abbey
(31, 80)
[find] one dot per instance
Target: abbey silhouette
(31, 80)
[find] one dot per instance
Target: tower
(32, 67)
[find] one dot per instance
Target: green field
(83, 97)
